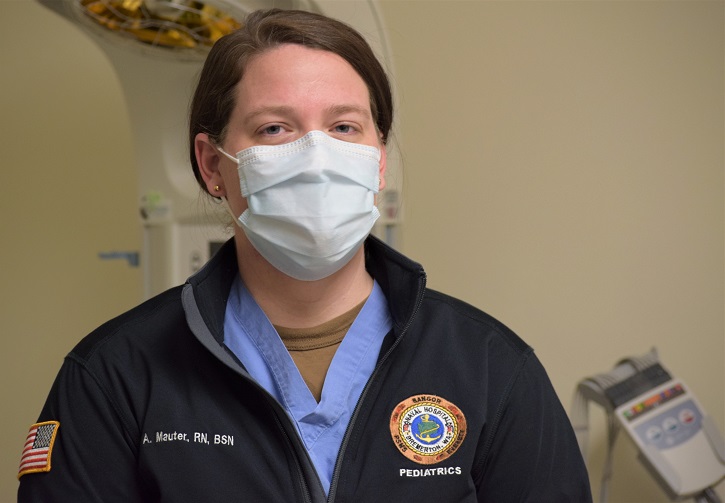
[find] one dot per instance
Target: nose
(319, 170)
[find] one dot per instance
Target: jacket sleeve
(532, 454)
(93, 457)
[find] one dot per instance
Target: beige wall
(69, 193)
(563, 171)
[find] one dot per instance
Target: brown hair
(262, 30)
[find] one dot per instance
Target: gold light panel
(172, 24)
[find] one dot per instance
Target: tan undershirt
(312, 348)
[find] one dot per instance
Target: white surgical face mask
(311, 203)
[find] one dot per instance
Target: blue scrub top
(251, 337)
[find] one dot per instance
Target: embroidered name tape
(427, 429)
(38, 448)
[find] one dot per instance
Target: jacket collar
(401, 279)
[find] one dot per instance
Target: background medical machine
(677, 441)
(157, 48)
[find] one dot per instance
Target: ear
(383, 165)
(208, 158)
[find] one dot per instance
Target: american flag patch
(38, 446)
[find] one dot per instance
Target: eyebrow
(343, 109)
(287, 110)
(277, 110)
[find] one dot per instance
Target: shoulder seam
(124, 325)
(483, 318)
(126, 426)
(477, 471)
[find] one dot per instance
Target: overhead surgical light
(187, 24)
(157, 48)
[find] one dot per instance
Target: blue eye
(343, 128)
(272, 130)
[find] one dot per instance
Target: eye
(344, 129)
(272, 130)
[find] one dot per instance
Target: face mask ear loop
(223, 200)
(228, 156)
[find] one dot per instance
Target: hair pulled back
(214, 98)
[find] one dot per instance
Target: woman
(306, 361)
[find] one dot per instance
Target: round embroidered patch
(427, 429)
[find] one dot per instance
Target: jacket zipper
(273, 405)
(308, 498)
(355, 413)
(307, 494)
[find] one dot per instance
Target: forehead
(298, 76)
